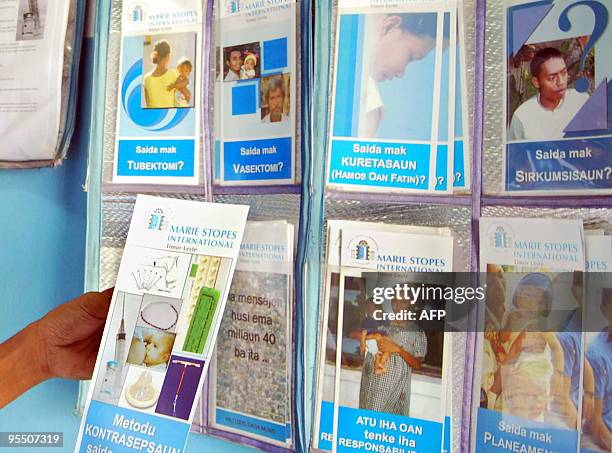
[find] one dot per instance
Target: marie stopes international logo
(364, 250)
(233, 6)
(137, 13)
(500, 237)
(158, 220)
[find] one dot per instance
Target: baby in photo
(247, 71)
(532, 367)
(151, 348)
(182, 94)
(370, 326)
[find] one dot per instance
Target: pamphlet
(346, 388)
(159, 99)
(558, 80)
(525, 363)
(160, 334)
(385, 134)
(256, 92)
(32, 41)
(250, 391)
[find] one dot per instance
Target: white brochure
(159, 337)
(250, 391)
(32, 37)
(525, 349)
(357, 252)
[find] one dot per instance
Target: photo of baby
(150, 348)
(531, 359)
(169, 71)
(241, 62)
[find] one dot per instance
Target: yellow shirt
(156, 89)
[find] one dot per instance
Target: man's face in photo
(275, 103)
(235, 60)
(552, 79)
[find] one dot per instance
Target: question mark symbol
(422, 178)
(601, 22)
(280, 165)
(181, 164)
(608, 171)
(458, 176)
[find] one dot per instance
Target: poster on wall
(163, 321)
(528, 364)
(158, 110)
(558, 76)
(256, 93)
(384, 133)
(368, 398)
(250, 391)
(32, 41)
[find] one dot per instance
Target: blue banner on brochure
(111, 428)
(258, 159)
(155, 158)
(501, 432)
(380, 164)
(363, 430)
(264, 428)
(584, 164)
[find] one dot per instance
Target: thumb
(96, 305)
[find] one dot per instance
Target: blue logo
(363, 250)
(501, 239)
(234, 6)
(157, 220)
(155, 120)
(137, 14)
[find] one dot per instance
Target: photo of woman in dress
(387, 370)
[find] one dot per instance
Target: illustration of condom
(142, 394)
(201, 320)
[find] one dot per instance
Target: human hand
(385, 344)
(70, 335)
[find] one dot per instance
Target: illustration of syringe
(120, 348)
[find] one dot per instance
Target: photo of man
(275, 99)
(546, 114)
(233, 62)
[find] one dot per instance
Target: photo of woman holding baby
(166, 81)
(529, 373)
(390, 355)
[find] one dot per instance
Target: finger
(96, 305)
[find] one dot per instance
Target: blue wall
(42, 243)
